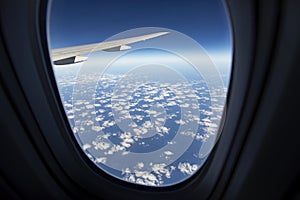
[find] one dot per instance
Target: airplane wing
(69, 55)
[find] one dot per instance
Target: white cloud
(101, 111)
(127, 145)
(147, 124)
(187, 168)
(99, 118)
(86, 146)
(171, 103)
(114, 148)
(181, 122)
(161, 169)
(71, 116)
(100, 145)
(67, 105)
(185, 105)
(108, 123)
(160, 119)
(97, 128)
(140, 165)
(101, 160)
(168, 153)
(89, 106)
(140, 131)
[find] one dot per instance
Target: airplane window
(143, 83)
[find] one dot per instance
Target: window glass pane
(143, 83)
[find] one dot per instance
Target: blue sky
(74, 22)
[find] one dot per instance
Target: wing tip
(163, 33)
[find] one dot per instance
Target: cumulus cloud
(101, 160)
(100, 145)
(146, 101)
(187, 168)
(168, 153)
(147, 124)
(97, 128)
(127, 139)
(161, 169)
(89, 106)
(181, 122)
(86, 146)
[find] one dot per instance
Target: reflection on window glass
(143, 84)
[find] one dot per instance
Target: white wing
(71, 55)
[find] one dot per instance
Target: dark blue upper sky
(74, 22)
